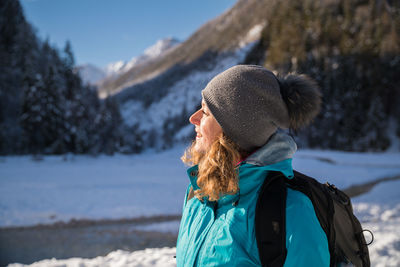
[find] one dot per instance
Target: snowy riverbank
(80, 187)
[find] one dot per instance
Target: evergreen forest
(45, 108)
(352, 48)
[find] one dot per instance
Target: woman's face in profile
(206, 127)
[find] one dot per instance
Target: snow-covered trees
(44, 105)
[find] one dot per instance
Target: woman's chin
(199, 147)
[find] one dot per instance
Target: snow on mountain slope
(183, 98)
(114, 67)
(160, 47)
(94, 75)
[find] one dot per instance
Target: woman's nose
(195, 118)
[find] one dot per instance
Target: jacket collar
(280, 146)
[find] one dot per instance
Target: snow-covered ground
(379, 211)
(62, 188)
(84, 187)
(162, 257)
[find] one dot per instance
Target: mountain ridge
(95, 75)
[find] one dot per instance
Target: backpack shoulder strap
(270, 220)
(322, 203)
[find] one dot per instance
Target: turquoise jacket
(222, 234)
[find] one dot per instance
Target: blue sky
(104, 31)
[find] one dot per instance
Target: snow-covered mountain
(160, 47)
(95, 75)
(224, 34)
(114, 67)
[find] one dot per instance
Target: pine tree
(32, 115)
(69, 60)
(18, 53)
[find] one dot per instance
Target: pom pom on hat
(302, 97)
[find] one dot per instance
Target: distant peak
(114, 67)
(161, 46)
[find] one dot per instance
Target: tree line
(45, 108)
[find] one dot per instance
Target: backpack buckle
(343, 198)
(332, 187)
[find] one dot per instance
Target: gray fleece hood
(280, 146)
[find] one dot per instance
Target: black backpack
(333, 209)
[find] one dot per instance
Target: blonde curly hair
(217, 172)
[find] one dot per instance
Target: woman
(237, 144)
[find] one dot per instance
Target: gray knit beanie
(251, 103)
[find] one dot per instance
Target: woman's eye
(204, 112)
